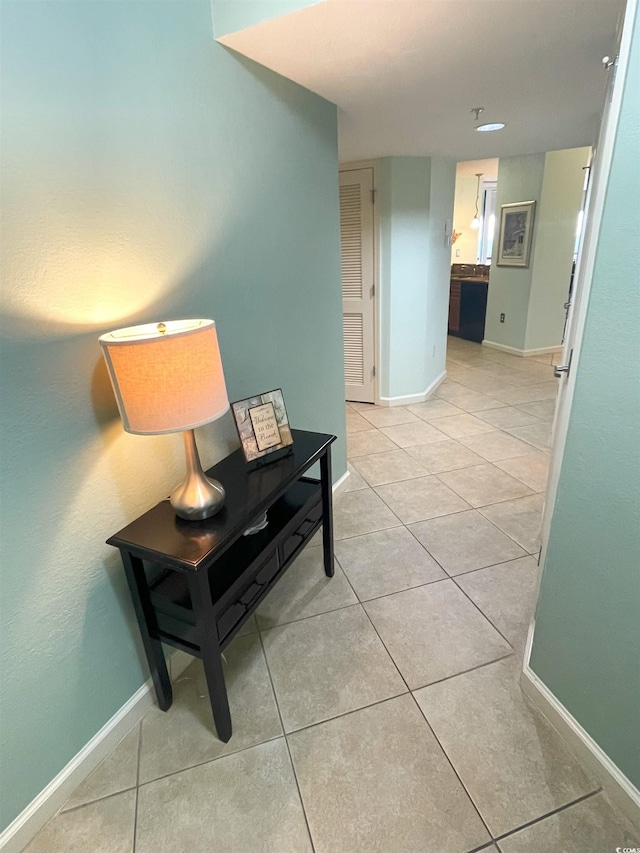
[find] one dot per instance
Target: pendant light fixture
(475, 222)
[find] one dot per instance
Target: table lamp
(167, 377)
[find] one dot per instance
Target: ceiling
(405, 74)
(470, 168)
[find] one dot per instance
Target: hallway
(379, 711)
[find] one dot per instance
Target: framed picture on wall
(516, 227)
(263, 424)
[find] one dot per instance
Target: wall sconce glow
(487, 128)
(167, 377)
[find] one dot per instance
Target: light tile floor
(380, 711)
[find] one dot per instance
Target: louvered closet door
(356, 239)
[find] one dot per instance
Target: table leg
(148, 625)
(327, 512)
(210, 652)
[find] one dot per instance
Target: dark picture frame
(263, 424)
(516, 229)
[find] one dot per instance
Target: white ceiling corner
(405, 74)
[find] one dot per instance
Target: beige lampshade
(167, 377)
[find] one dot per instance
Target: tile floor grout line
(97, 800)
(378, 635)
(503, 405)
(355, 536)
(404, 680)
(492, 565)
(310, 616)
(457, 494)
(469, 571)
(394, 527)
(135, 813)
(224, 754)
(286, 741)
(484, 506)
(400, 522)
(465, 671)
(364, 601)
(347, 713)
(125, 790)
(451, 764)
(518, 478)
(302, 805)
(417, 521)
(490, 845)
(547, 815)
(139, 750)
(529, 553)
(509, 387)
(208, 761)
(537, 421)
(495, 627)
(261, 629)
(135, 822)
(493, 503)
(273, 687)
(470, 507)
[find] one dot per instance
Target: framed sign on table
(263, 425)
(516, 228)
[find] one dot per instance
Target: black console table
(195, 583)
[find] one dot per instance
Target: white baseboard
(523, 353)
(619, 789)
(29, 822)
(51, 799)
(414, 398)
(340, 485)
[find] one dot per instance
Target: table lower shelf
(242, 577)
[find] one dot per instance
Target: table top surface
(249, 492)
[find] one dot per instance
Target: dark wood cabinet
(454, 306)
(468, 292)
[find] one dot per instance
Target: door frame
(594, 209)
(353, 166)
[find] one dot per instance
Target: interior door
(358, 316)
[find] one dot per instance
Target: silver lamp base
(197, 497)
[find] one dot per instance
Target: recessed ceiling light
(485, 128)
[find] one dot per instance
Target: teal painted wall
(415, 196)
(229, 16)
(519, 179)
(586, 645)
(408, 288)
(147, 174)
